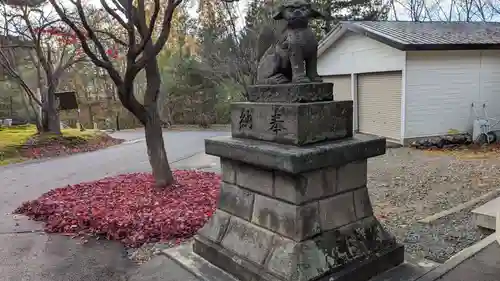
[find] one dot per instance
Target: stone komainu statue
(287, 51)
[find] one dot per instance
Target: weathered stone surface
(292, 221)
(355, 240)
(352, 175)
(337, 211)
(292, 123)
(362, 203)
(228, 170)
(236, 201)
(357, 251)
(254, 178)
(331, 252)
(330, 121)
(293, 159)
(249, 241)
(305, 187)
(291, 93)
(297, 261)
(358, 241)
(229, 261)
(216, 226)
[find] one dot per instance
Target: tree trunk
(154, 134)
(117, 121)
(36, 111)
(28, 103)
(50, 120)
(38, 118)
(50, 115)
(156, 149)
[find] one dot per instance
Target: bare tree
(439, 10)
(11, 52)
(51, 52)
(139, 23)
(29, 3)
(235, 55)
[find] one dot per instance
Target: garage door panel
(341, 86)
(379, 104)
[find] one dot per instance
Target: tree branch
(164, 33)
(113, 14)
(114, 37)
(83, 40)
(146, 38)
(4, 62)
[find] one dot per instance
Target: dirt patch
(407, 185)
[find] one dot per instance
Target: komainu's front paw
(301, 79)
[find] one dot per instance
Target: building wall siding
(354, 53)
(441, 87)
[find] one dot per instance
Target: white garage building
(410, 80)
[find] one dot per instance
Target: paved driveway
(28, 254)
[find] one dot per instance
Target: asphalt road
(29, 254)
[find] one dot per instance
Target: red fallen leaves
(128, 208)
(59, 147)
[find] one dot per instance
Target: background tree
(142, 49)
(340, 10)
(439, 10)
(50, 49)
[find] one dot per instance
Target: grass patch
(12, 139)
(13, 136)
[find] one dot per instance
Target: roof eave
(343, 27)
(331, 38)
(418, 47)
(375, 36)
(450, 47)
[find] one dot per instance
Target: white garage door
(379, 104)
(341, 86)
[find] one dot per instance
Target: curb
(457, 259)
(133, 141)
(487, 196)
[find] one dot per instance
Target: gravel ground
(407, 185)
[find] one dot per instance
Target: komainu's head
(297, 11)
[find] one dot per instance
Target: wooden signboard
(67, 100)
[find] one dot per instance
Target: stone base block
(357, 251)
(292, 123)
(298, 189)
(291, 93)
(292, 159)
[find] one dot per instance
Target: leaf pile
(66, 146)
(128, 207)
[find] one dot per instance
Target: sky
(241, 6)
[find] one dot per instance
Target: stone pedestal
(293, 203)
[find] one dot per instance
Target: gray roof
(430, 35)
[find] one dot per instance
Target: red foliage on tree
(68, 37)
